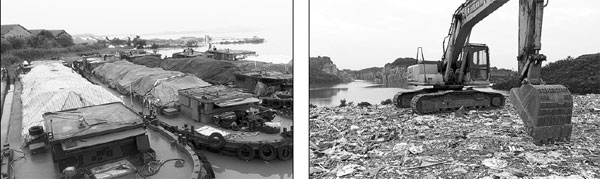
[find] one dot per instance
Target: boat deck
(181, 120)
(41, 165)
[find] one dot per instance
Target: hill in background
(581, 75)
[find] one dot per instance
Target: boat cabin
(264, 82)
(227, 54)
(135, 53)
(187, 53)
(96, 135)
(201, 104)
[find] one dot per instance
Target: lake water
(361, 91)
(277, 47)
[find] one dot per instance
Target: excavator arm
(464, 19)
(546, 110)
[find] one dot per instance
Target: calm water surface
(277, 47)
(361, 91)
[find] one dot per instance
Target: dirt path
(16, 118)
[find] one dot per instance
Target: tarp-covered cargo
(105, 118)
(210, 70)
(95, 135)
(154, 83)
(50, 86)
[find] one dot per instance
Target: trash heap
(210, 70)
(386, 142)
(50, 86)
(157, 84)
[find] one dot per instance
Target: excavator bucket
(545, 110)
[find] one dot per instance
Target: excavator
(545, 110)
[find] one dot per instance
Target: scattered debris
(494, 163)
(387, 142)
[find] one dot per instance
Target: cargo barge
(205, 115)
(136, 53)
(85, 139)
(188, 53)
(228, 54)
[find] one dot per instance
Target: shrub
(343, 103)
(64, 40)
(364, 104)
(5, 46)
(386, 102)
(7, 60)
(32, 54)
(39, 42)
(17, 43)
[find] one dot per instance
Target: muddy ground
(386, 142)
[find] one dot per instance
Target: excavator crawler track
(546, 111)
(447, 101)
(403, 99)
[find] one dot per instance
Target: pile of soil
(210, 70)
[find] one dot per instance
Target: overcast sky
(358, 34)
(111, 17)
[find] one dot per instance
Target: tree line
(45, 39)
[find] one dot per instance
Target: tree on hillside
(5, 46)
(116, 41)
(128, 42)
(64, 40)
(46, 34)
(138, 42)
(17, 43)
(191, 43)
(36, 41)
(580, 75)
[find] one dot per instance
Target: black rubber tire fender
(266, 102)
(245, 148)
(216, 141)
(284, 152)
(267, 152)
(36, 130)
(288, 103)
(276, 104)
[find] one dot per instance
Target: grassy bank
(17, 56)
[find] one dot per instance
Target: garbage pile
(155, 83)
(50, 86)
(383, 141)
(210, 70)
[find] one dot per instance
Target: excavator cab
(478, 64)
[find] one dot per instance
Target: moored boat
(107, 140)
